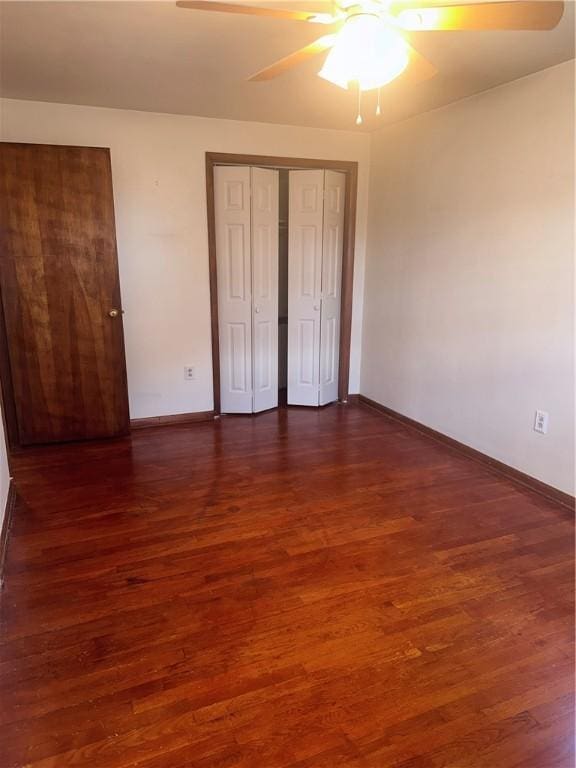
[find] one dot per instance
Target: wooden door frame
(350, 168)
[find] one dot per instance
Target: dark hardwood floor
(303, 588)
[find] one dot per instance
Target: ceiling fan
(367, 38)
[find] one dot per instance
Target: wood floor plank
(301, 589)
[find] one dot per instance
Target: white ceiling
(153, 56)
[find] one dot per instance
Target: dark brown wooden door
(64, 371)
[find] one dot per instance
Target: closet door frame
(289, 163)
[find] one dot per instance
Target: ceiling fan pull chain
(359, 120)
(378, 110)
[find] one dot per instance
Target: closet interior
(283, 289)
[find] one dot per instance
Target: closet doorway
(280, 322)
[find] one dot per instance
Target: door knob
(115, 312)
(257, 310)
(316, 307)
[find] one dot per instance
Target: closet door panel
(304, 285)
(332, 248)
(232, 211)
(265, 225)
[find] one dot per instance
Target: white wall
(160, 198)
(469, 303)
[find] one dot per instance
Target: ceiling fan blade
(517, 14)
(293, 59)
(251, 10)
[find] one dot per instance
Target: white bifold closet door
(265, 229)
(315, 233)
(246, 211)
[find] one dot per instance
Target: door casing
(350, 168)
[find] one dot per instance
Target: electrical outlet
(189, 373)
(541, 422)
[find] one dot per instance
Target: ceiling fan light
(336, 69)
(367, 52)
